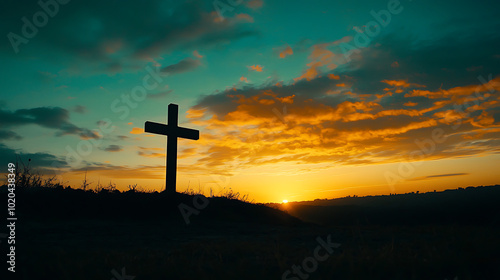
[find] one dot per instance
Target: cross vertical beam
(171, 158)
(172, 131)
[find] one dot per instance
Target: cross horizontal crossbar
(175, 131)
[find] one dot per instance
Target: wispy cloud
(121, 42)
(49, 117)
(438, 176)
(113, 148)
(185, 65)
(42, 161)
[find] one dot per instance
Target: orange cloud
(448, 116)
(188, 152)
(410, 104)
(286, 99)
(122, 172)
(483, 120)
(137, 130)
(253, 132)
(197, 54)
(322, 57)
(151, 152)
(398, 83)
(257, 68)
(256, 127)
(310, 73)
(333, 77)
(245, 17)
(470, 90)
(266, 101)
(244, 79)
(418, 92)
(391, 131)
(195, 113)
(379, 96)
(287, 51)
(255, 4)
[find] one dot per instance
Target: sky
(293, 100)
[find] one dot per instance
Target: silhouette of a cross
(172, 131)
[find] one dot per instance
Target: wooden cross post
(172, 131)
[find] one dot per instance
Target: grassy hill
(64, 233)
(68, 203)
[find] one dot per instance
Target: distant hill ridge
(471, 205)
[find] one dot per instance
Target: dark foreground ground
(74, 235)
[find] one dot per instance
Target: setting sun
(285, 201)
